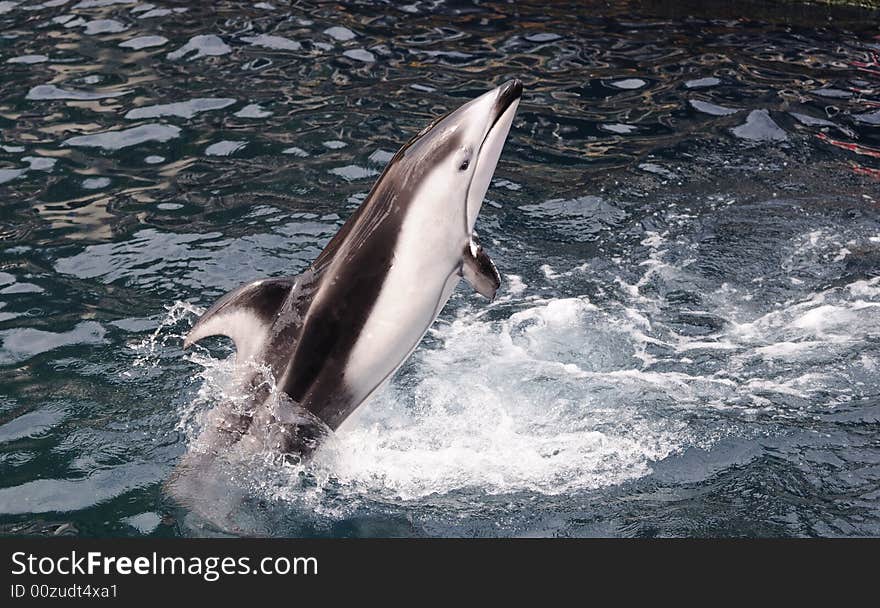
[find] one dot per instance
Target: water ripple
(685, 217)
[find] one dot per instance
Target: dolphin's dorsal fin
(245, 315)
(479, 270)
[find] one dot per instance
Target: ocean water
(685, 216)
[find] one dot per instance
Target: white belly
(422, 277)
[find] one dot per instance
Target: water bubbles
(149, 349)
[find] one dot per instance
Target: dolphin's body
(332, 335)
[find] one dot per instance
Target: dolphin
(325, 340)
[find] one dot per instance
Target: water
(687, 340)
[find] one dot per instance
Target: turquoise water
(686, 341)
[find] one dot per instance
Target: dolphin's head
(455, 156)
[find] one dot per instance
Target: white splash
(559, 395)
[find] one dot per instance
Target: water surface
(686, 342)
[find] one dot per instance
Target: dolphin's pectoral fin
(244, 315)
(479, 270)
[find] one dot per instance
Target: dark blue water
(687, 340)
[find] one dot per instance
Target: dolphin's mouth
(511, 92)
(490, 149)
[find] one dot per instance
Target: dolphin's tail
(208, 481)
(293, 431)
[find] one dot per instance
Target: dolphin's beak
(499, 106)
(510, 92)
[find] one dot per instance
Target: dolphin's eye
(464, 165)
